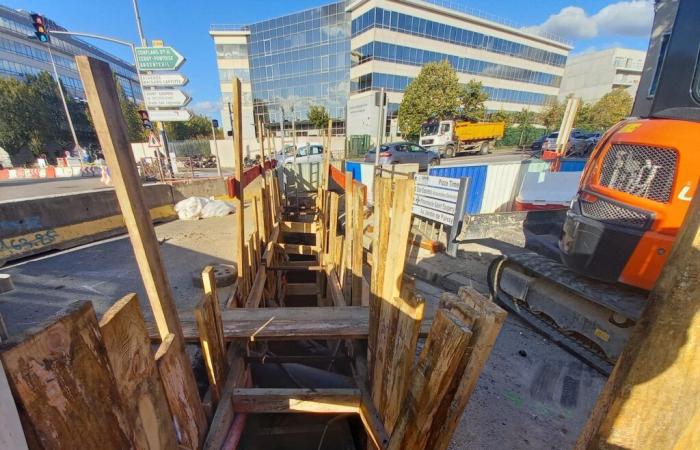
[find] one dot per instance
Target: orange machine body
(634, 194)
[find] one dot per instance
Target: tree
(435, 93)
(50, 117)
(611, 108)
(198, 127)
(473, 97)
(130, 111)
(525, 118)
(318, 117)
(552, 114)
(15, 115)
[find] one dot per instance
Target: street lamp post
(216, 149)
(63, 100)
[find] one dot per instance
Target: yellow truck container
(449, 137)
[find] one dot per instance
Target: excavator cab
(637, 186)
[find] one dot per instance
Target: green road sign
(158, 58)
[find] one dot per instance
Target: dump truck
(450, 137)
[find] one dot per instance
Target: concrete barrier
(58, 222)
(208, 187)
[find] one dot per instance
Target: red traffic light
(145, 120)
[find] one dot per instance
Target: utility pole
(139, 26)
(216, 146)
(380, 128)
(63, 100)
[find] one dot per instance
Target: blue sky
(184, 24)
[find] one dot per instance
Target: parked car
(577, 144)
(306, 153)
(536, 145)
(404, 153)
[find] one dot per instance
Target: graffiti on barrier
(25, 244)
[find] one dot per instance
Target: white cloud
(206, 107)
(624, 18)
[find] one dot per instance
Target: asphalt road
(21, 189)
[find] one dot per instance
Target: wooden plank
(299, 249)
(372, 421)
(213, 351)
(11, 432)
(301, 288)
(61, 377)
(128, 348)
(346, 263)
(256, 292)
(380, 243)
(334, 288)
(191, 423)
(345, 322)
(297, 227)
(106, 115)
(333, 227)
(651, 399)
(237, 128)
(486, 319)
(436, 366)
(391, 285)
(319, 401)
(224, 415)
(398, 370)
(209, 286)
(358, 218)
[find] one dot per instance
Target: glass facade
(416, 57)
(404, 23)
(301, 60)
(398, 83)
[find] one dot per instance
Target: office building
(339, 55)
(21, 54)
(592, 75)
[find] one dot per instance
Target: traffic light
(214, 123)
(145, 121)
(40, 28)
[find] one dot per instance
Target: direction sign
(165, 98)
(158, 58)
(169, 115)
(163, 79)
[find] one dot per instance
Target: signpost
(170, 115)
(442, 200)
(165, 98)
(158, 58)
(163, 79)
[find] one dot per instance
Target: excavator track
(587, 318)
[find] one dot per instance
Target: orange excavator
(633, 196)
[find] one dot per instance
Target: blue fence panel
(354, 168)
(572, 165)
(477, 182)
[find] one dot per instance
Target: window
(696, 82)
(316, 150)
(416, 148)
(659, 65)
(445, 128)
(231, 51)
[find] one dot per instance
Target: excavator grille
(643, 171)
(606, 211)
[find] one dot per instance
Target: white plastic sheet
(194, 208)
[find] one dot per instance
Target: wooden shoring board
(128, 348)
(209, 285)
(485, 319)
(437, 364)
(357, 229)
(224, 415)
(237, 126)
(297, 227)
(346, 322)
(346, 264)
(334, 200)
(382, 202)
(190, 423)
(397, 371)
(61, 377)
(299, 249)
(391, 286)
(318, 401)
(105, 112)
(214, 354)
(301, 288)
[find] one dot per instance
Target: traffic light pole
(216, 149)
(63, 100)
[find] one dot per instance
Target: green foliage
(473, 97)
(501, 116)
(49, 113)
(318, 117)
(130, 111)
(514, 136)
(198, 127)
(525, 119)
(611, 108)
(551, 115)
(434, 93)
(15, 115)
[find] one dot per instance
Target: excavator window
(696, 81)
(659, 65)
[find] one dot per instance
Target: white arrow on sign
(165, 98)
(169, 115)
(163, 79)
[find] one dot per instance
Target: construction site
(347, 305)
